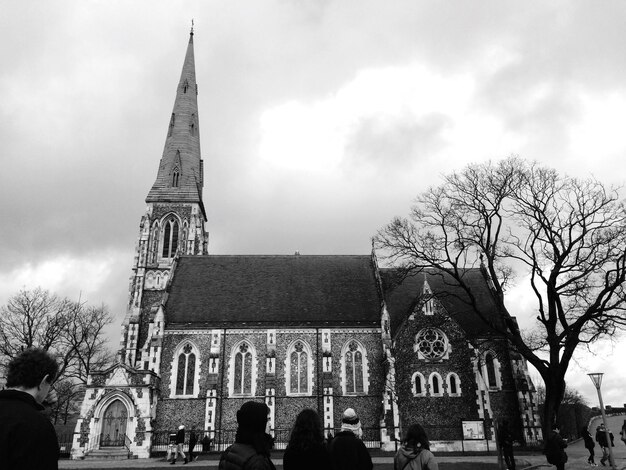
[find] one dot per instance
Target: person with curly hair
(306, 449)
(28, 440)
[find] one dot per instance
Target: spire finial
(191, 27)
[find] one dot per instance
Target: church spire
(180, 174)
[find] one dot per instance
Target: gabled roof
(402, 295)
(298, 290)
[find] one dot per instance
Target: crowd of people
(309, 449)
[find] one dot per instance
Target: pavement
(577, 459)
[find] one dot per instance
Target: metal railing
(127, 443)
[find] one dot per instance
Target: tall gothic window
(175, 177)
(170, 238)
(298, 369)
(491, 371)
(243, 370)
(354, 368)
(186, 371)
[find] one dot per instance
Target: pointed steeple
(180, 175)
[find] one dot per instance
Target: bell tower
(175, 218)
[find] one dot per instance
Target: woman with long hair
(415, 452)
(306, 449)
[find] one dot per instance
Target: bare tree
(84, 335)
(71, 331)
(566, 236)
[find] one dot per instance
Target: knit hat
(350, 422)
(252, 416)
(182, 426)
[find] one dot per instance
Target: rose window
(431, 343)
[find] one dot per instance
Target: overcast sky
(320, 120)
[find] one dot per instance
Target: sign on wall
(473, 430)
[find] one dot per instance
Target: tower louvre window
(185, 86)
(170, 238)
(192, 125)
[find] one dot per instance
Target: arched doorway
(114, 421)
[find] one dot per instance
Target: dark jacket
(192, 440)
(555, 453)
(316, 457)
(347, 452)
(28, 440)
(244, 457)
(589, 444)
(414, 459)
(601, 437)
(180, 436)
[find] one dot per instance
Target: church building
(205, 333)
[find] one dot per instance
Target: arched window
(175, 177)
(491, 371)
(431, 344)
(185, 369)
(354, 365)
(454, 385)
(418, 385)
(185, 86)
(242, 376)
(435, 385)
(298, 378)
(170, 238)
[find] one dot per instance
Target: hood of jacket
(405, 454)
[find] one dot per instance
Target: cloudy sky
(319, 120)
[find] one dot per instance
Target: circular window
(431, 343)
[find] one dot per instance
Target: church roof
(402, 295)
(256, 290)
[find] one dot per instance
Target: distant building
(205, 333)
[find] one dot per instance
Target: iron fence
(209, 441)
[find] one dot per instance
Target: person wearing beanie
(180, 441)
(347, 451)
(251, 450)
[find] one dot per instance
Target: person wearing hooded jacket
(347, 451)
(251, 450)
(415, 454)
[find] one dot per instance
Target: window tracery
(431, 343)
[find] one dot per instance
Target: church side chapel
(205, 333)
